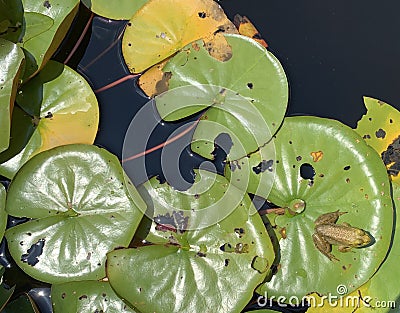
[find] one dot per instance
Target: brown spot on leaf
(317, 155)
(218, 47)
(195, 46)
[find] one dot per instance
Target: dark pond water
(333, 52)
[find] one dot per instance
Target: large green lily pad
(124, 10)
(11, 60)
(86, 296)
(349, 177)
(186, 268)
(46, 24)
(247, 94)
(11, 19)
(81, 208)
(380, 129)
(63, 109)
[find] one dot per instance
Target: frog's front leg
(323, 246)
(329, 218)
(344, 248)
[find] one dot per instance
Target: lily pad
(80, 208)
(381, 293)
(194, 269)
(46, 24)
(380, 129)
(11, 19)
(11, 61)
(247, 94)
(124, 10)
(323, 166)
(63, 108)
(163, 27)
(86, 296)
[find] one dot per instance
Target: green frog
(328, 233)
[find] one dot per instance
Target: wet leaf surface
(63, 110)
(47, 22)
(124, 10)
(11, 60)
(80, 207)
(86, 296)
(247, 95)
(380, 129)
(350, 178)
(194, 269)
(162, 27)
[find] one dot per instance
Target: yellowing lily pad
(11, 61)
(80, 205)
(123, 10)
(163, 27)
(380, 129)
(47, 22)
(350, 177)
(63, 108)
(188, 266)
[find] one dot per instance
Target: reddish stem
(77, 44)
(279, 211)
(117, 82)
(162, 145)
(104, 52)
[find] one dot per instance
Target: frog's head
(361, 239)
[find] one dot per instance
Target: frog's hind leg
(324, 247)
(329, 218)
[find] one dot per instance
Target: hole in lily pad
(307, 171)
(32, 257)
(263, 166)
